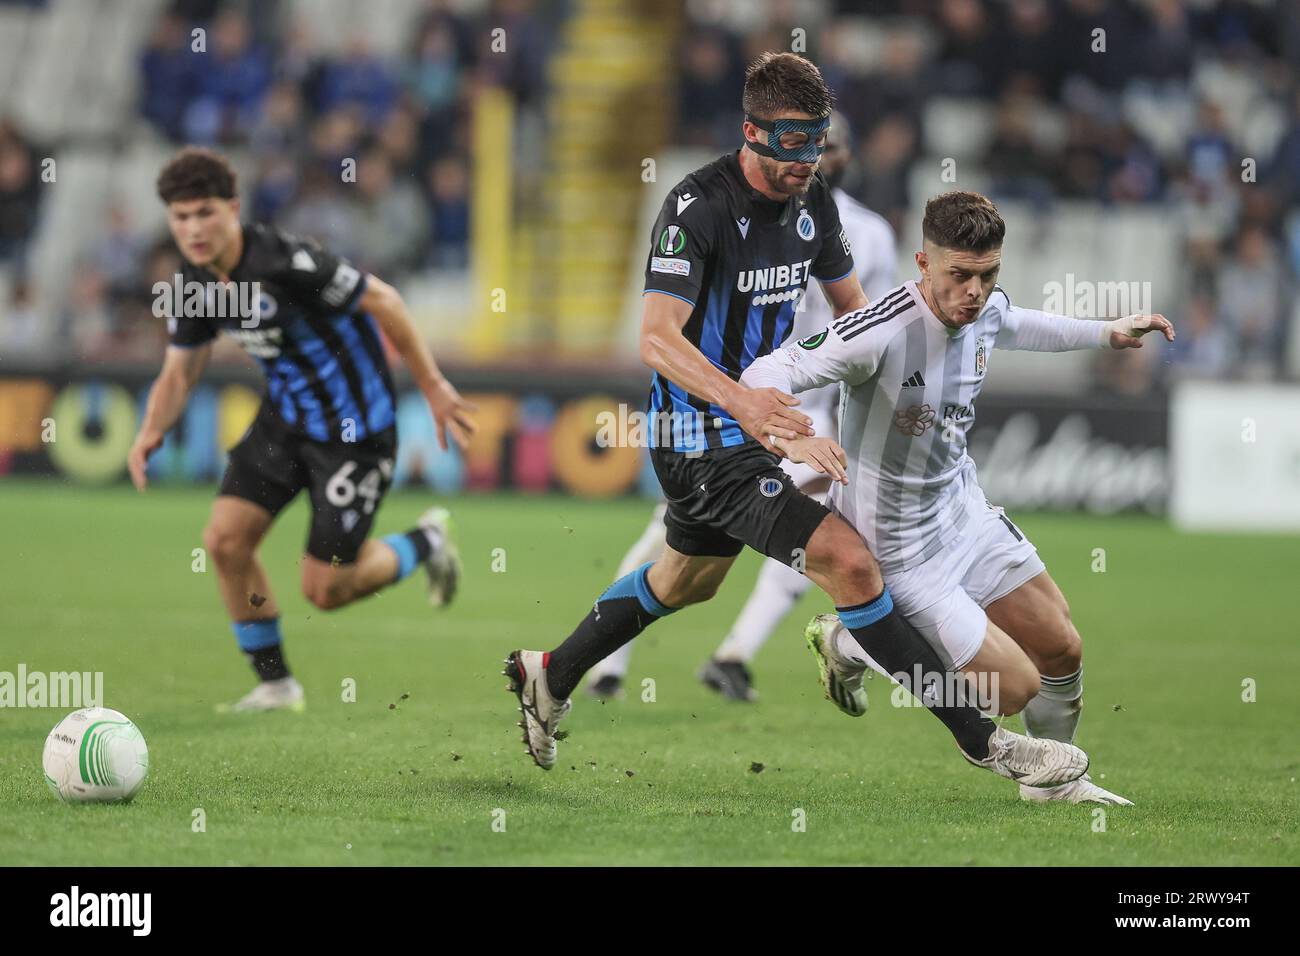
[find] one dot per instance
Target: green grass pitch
(415, 769)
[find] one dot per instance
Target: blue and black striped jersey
(743, 262)
(326, 374)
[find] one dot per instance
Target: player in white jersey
(779, 587)
(960, 571)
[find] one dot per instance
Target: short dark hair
(963, 220)
(196, 173)
(778, 83)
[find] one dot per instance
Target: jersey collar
(914, 289)
(762, 208)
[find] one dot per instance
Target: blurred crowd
(1188, 107)
(368, 154)
(1118, 102)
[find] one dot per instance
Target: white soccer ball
(95, 755)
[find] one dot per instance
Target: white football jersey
(911, 386)
(875, 260)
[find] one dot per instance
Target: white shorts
(945, 597)
(822, 405)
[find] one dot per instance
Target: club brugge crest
(807, 228)
(979, 357)
(769, 487)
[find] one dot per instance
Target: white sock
(1054, 712)
(776, 591)
(647, 547)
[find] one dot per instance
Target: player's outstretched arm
(1034, 331)
(171, 390)
(452, 413)
(760, 411)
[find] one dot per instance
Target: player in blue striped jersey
(327, 423)
(734, 248)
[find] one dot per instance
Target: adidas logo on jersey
(916, 381)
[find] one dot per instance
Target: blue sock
(261, 643)
(411, 548)
(627, 607)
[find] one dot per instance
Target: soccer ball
(95, 755)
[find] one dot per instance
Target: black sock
(269, 662)
(901, 650)
(420, 541)
(626, 609)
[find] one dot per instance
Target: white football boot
(1032, 761)
(283, 694)
(841, 678)
(541, 713)
(1082, 790)
(443, 563)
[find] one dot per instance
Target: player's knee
(224, 546)
(324, 593)
(852, 566)
(1067, 655)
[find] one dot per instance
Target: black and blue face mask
(791, 140)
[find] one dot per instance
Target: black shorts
(346, 481)
(726, 498)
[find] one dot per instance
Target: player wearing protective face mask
(733, 249)
(778, 587)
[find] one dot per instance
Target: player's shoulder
(701, 191)
(999, 301)
(268, 249)
(879, 322)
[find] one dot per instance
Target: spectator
(233, 79)
(361, 80)
(434, 75)
(1203, 348)
(20, 195)
(168, 81)
(1253, 297)
(449, 189)
(392, 222)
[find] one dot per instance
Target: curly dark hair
(196, 173)
(778, 83)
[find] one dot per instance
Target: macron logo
(103, 909)
(303, 262)
(743, 225)
(684, 200)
